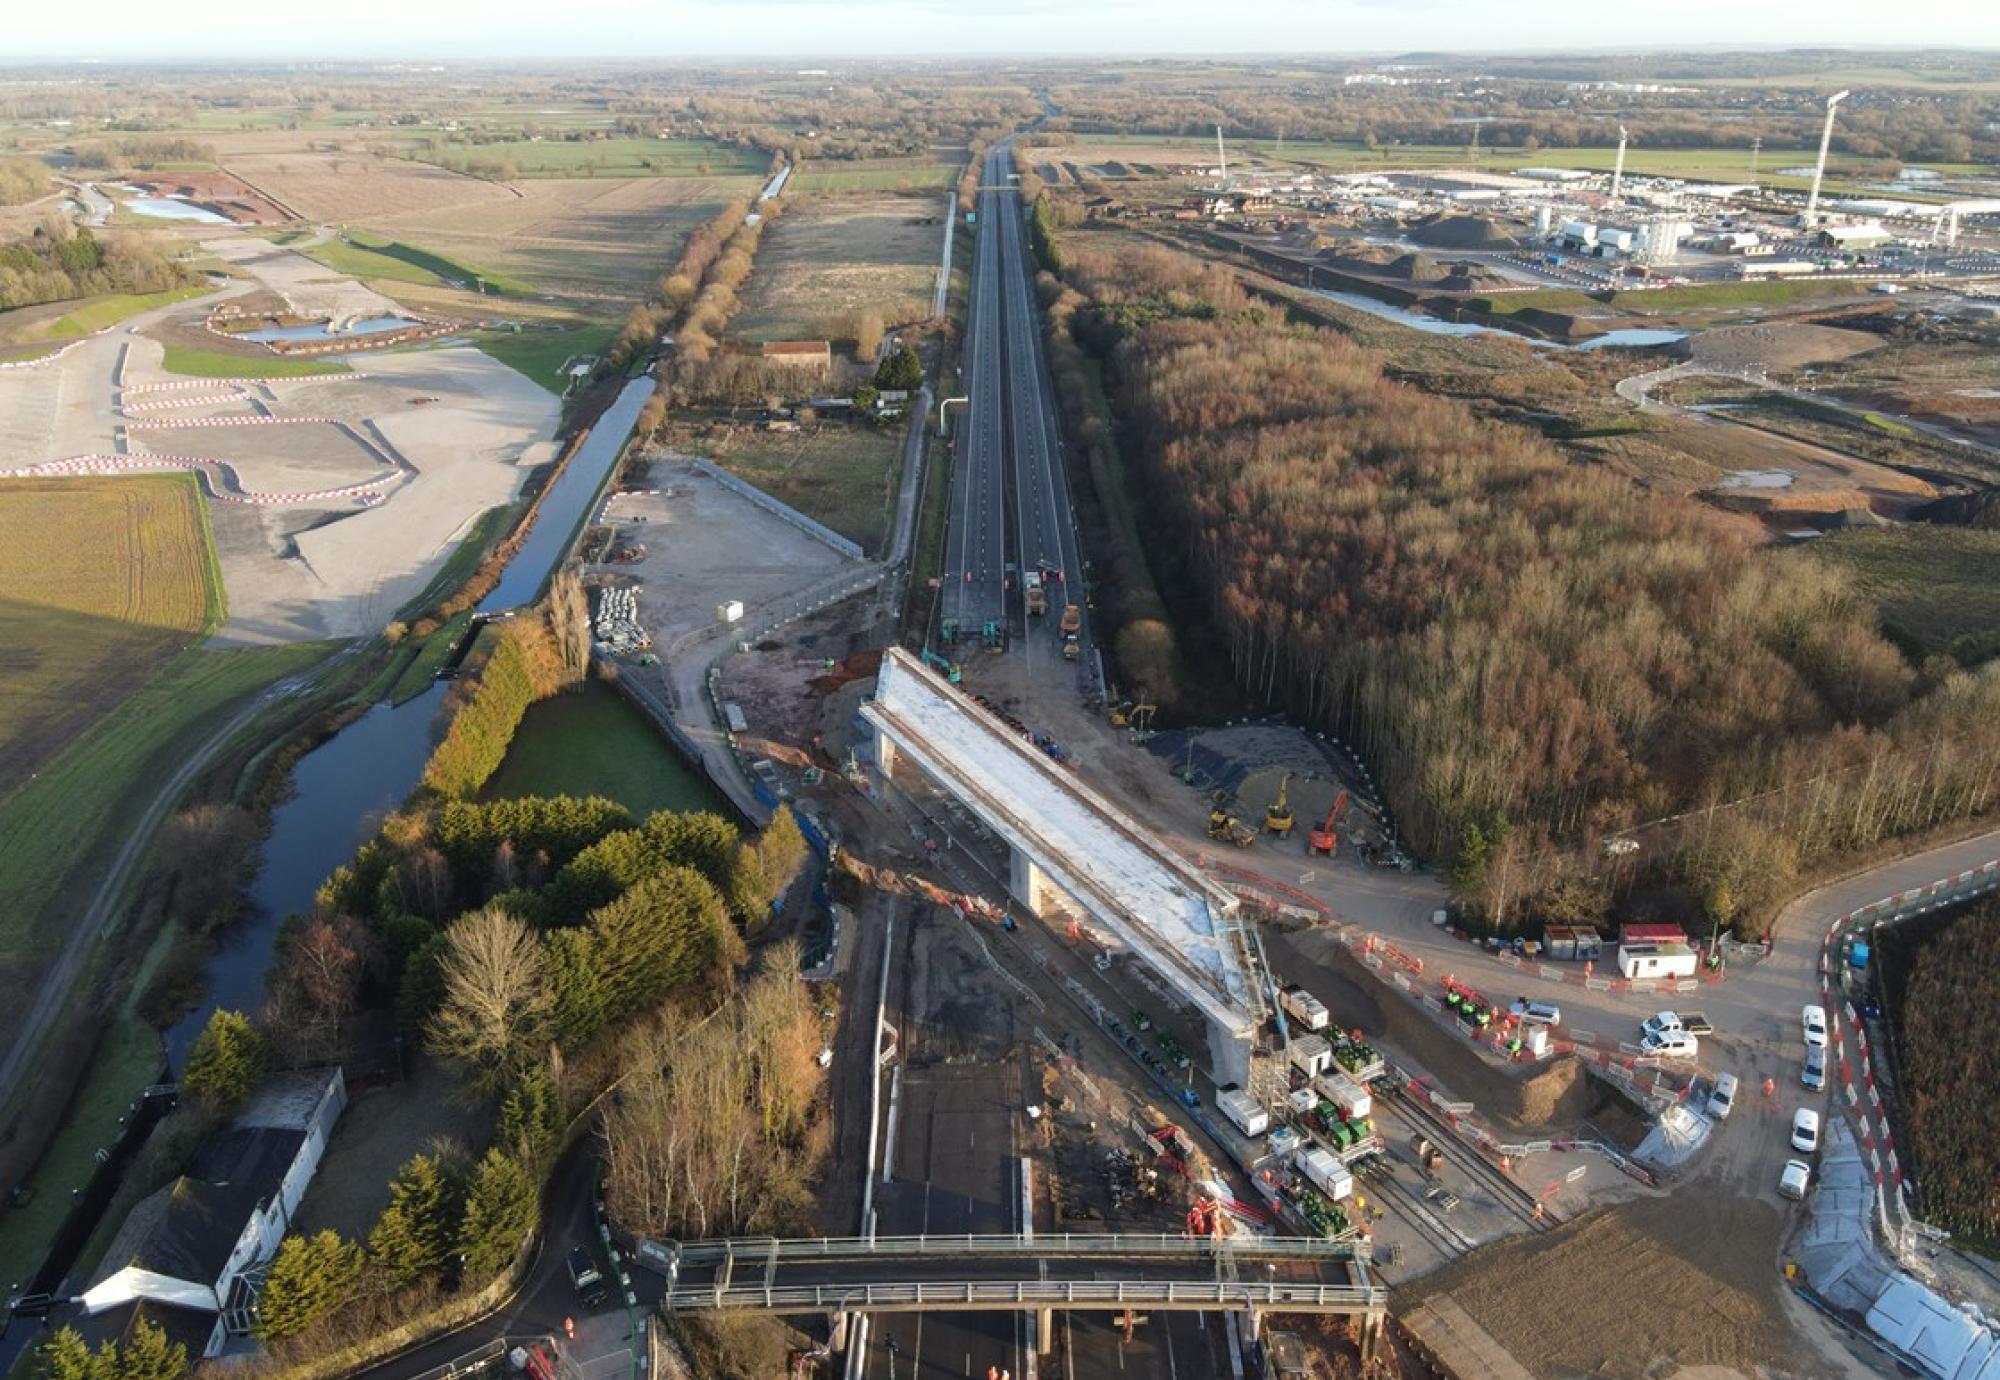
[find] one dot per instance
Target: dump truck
(1072, 620)
(1037, 595)
(1072, 649)
(1223, 825)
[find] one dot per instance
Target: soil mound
(1463, 232)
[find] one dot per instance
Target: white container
(1308, 1010)
(1241, 1108)
(1311, 1055)
(1326, 1173)
(730, 612)
(1353, 1100)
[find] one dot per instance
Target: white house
(189, 1246)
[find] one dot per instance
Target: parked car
(583, 1276)
(1722, 1101)
(1813, 1075)
(1813, 1019)
(1659, 1023)
(1797, 1175)
(1537, 1012)
(1671, 1044)
(1805, 1130)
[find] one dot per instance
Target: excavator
(944, 666)
(1278, 814)
(1323, 839)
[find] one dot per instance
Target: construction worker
(569, 1328)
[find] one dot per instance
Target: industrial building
(1850, 238)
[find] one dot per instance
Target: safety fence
(1010, 1295)
(228, 490)
(181, 400)
(189, 423)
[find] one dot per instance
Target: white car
(1813, 1075)
(1805, 1130)
(1671, 1044)
(1722, 1101)
(1793, 1181)
(1659, 1024)
(1537, 1013)
(1813, 1019)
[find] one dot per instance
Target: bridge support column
(1374, 1325)
(1229, 1054)
(1253, 1325)
(1030, 885)
(1045, 1331)
(837, 1326)
(885, 753)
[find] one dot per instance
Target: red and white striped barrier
(368, 492)
(190, 400)
(187, 423)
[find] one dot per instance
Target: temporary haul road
(1009, 442)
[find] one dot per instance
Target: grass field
(60, 820)
(826, 260)
(599, 158)
(595, 743)
(421, 671)
(1938, 588)
(101, 582)
(364, 256)
(100, 312)
(541, 354)
(612, 237)
(863, 177)
(842, 475)
(213, 364)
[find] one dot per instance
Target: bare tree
(568, 616)
(497, 1007)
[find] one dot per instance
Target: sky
(829, 29)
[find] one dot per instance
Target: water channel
(323, 330)
(1632, 338)
(343, 788)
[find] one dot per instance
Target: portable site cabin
(1311, 1055)
(1639, 962)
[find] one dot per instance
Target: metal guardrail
(472, 1362)
(996, 1296)
(1041, 1246)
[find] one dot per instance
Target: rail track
(1518, 1201)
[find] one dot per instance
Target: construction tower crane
(1323, 839)
(1278, 814)
(1819, 167)
(1618, 170)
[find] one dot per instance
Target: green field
(541, 354)
(597, 158)
(836, 177)
(366, 256)
(595, 743)
(100, 312)
(1938, 587)
(213, 364)
(842, 475)
(75, 808)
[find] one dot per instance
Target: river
(343, 788)
(1629, 339)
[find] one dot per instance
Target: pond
(323, 330)
(172, 208)
(1629, 339)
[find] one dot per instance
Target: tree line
(1534, 655)
(59, 262)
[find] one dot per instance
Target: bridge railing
(1055, 1245)
(1009, 1295)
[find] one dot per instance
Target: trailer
(1351, 1097)
(1243, 1109)
(1326, 1173)
(1639, 962)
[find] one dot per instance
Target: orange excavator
(1323, 839)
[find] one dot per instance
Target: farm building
(188, 1256)
(813, 354)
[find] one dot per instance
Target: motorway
(1010, 498)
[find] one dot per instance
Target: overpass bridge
(995, 1273)
(1072, 849)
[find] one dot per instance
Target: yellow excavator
(1278, 814)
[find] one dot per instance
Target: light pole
(942, 405)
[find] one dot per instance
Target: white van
(1537, 1013)
(1671, 1044)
